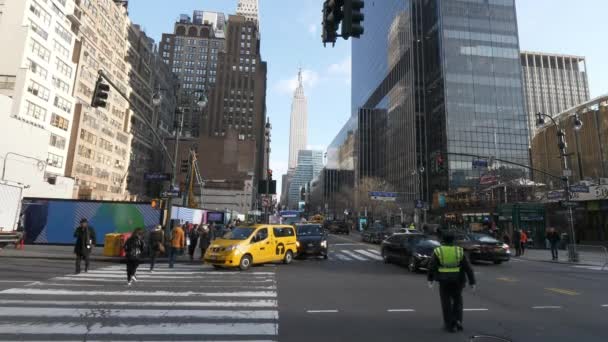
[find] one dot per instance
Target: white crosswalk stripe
(189, 302)
(354, 255)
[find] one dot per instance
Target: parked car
(257, 244)
(312, 240)
(483, 247)
(412, 250)
(337, 227)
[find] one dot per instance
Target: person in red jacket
(523, 241)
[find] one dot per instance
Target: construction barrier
(111, 247)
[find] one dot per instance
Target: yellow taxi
(251, 245)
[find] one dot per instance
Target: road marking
(123, 275)
(177, 273)
(374, 251)
(605, 306)
(170, 329)
(261, 303)
(368, 254)
(155, 284)
(14, 311)
(321, 311)
(508, 280)
(480, 309)
(592, 268)
(353, 255)
(152, 280)
(346, 244)
(563, 291)
(546, 307)
(18, 281)
(32, 291)
(343, 257)
(400, 310)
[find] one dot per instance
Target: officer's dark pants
(451, 302)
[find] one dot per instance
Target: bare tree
(376, 207)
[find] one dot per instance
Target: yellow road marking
(508, 280)
(563, 291)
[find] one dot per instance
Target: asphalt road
(353, 296)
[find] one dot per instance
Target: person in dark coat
(554, 238)
(156, 244)
(193, 236)
(517, 241)
(134, 248)
(85, 240)
(205, 240)
(450, 267)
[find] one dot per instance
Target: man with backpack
(134, 248)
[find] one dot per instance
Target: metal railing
(592, 255)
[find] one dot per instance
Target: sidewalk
(586, 258)
(52, 252)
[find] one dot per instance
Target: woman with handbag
(157, 244)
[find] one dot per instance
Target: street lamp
(562, 145)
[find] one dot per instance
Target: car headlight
(298, 244)
(231, 248)
(418, 255)
(324, 243)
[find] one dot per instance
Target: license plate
(310, 245)
(213, 257)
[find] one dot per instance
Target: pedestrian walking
(517, 241)
(156, 244)
(178, 242)
(205, 240)
(554, 239)
(523, 242)
(134, 247)
(451, 269)
(193, 238)
(85, 240)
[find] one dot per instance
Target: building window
(40, 12)
(60, 122)
(38, 90)
(42, 33)
(57, 141)
(54, 160)
(35, 111)
(63, 68)
(37, 69)
(63, 33)
(61, 85)
(7, 82)
(40, 50)
(63, 104)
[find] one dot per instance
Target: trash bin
(123, 239)
(111, 245)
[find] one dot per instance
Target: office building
(100, 145)
(553, 83)
(37, 75)
(298, 128)
(444, 79)
(250, 10)
(310, 164)
(191, 52)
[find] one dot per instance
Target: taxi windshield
(240, 233)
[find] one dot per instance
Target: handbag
(161, 247)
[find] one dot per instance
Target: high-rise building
(310, 164)
(298, 130)
(37, 71)
(100, 147)
(445, 79)
(553, 83)
(191, 52)
(250, 10)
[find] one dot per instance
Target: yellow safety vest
(449, 258)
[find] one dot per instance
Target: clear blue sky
(291, 37)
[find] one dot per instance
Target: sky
(290, 33)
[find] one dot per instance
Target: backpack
(132, 248)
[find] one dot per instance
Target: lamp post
(267, 130)
(562, 145)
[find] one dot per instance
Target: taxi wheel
(217, 267)
(245, 262)
(288, 258)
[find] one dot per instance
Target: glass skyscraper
(310, 163)
(443, 77)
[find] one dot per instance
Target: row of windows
(40, 12)
(57, 141)
(40, 50)
(63, 104)
(39, 90)
(60, 122)
(39, 30)
(34, 111)
(201, 42)
(63, 68)
(61, 85)
(37, 69)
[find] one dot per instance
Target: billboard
(53, 221)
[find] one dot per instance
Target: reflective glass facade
(431, 79)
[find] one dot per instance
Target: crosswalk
(363, 255)
(187, 303)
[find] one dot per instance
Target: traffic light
(184, 166)
(332, 16)
(269, 173)
(440, 163)
(351, 26)
(100, 94)
(561, 141)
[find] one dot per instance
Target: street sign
(553, 195)
(579, 188)
(383, 196)
(157, 176)
(419, 204)
(172, 194)
(568, 204)
(265, 202)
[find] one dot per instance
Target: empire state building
(299, 121)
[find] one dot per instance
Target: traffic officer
(449, 267)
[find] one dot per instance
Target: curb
(560, 262)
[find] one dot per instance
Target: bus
(290, 216)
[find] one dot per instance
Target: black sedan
(337, 227)
(312, 240)
(482, 247)
(413, 250)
